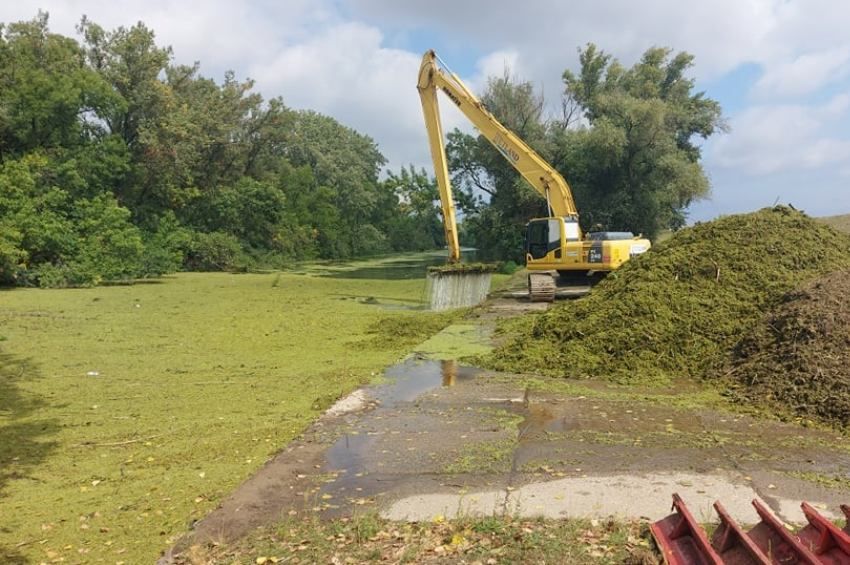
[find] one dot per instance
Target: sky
(779, 68)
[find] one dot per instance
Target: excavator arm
(554, 244)
(539, 174)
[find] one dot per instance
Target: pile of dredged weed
(797, 359)
(677, 310)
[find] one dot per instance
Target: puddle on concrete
(541, 419)
(413, 377)
(407, 381)
(569, 455)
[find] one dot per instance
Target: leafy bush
(166, 246)
(508, 268)
(50, 238)
(215, 251)
(11, 253)
(109, 246)
(370, 241)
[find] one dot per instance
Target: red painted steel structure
(683, 542)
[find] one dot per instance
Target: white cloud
(221, 34)
(337, 58)
(722, 34)
(804, 74)
(808, 26)
(782, 137)
(546, 33)
(494, 64)
(345, 72)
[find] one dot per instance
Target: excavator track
(541, 287)
(683, 542)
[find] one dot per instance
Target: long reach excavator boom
(554, 244)
(539, 174)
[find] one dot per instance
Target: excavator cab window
(542, 236)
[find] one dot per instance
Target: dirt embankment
(797, 359)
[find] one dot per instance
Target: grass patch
(837, 482)
(406, 331)
(493, 539)
(127, 412)
(501, 418)
(670, 438)
(685, 396)
(492, 456)
(457, 341)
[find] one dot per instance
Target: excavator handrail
(533, 168)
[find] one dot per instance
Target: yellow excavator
(553, 245)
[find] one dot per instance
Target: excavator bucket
(683, 542)
(459, 285)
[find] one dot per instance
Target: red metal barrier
(774, 539)
(830, 543)
(734, 546)
(683, 542)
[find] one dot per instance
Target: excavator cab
(547, 235)
(558, 245)
(542, 237)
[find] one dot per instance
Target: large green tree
(116, 162)
(626, 140)
(49, 99)
(496, 201)
(417, 223)
(636, 164)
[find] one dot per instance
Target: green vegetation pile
(463, 268)
(677, 310)
(405, 332)
(797, 359)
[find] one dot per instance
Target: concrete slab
(619, 496)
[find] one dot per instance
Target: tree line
(117, 163)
